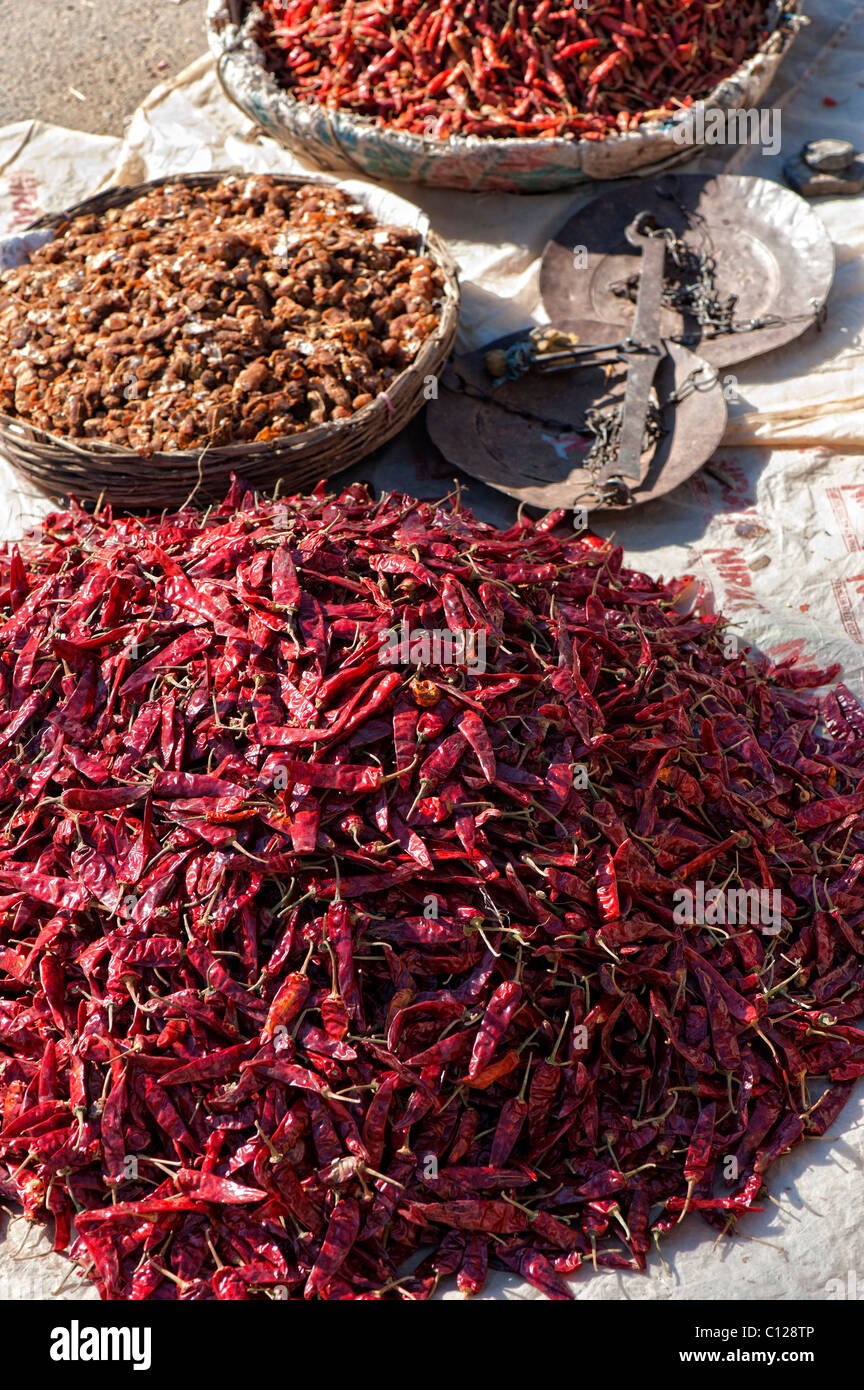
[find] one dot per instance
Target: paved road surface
(111, 53)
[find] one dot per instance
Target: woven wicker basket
(340, 140)
(92, 470)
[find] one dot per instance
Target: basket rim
(246, 53)
(57, 447)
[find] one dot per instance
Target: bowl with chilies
(495, 94)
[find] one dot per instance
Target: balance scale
(651, 291)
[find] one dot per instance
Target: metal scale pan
(770, 249)
(524, 437)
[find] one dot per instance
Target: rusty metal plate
(771, 250)
(524, 437)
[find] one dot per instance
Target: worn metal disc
(525, 438)
(771, 250)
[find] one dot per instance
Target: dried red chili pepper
(494, 1024)
(350, 953)
(558, 72)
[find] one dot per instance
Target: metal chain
(691, 384)
(690, 288)
(606, 425)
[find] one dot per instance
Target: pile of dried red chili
(504, 68)
(309, 963)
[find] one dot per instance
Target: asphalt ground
(86, 64)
